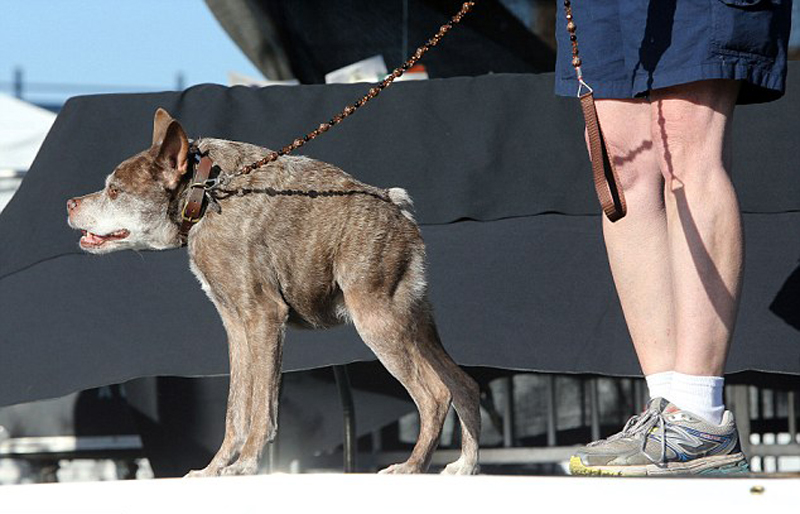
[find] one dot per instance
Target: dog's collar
(196, 199)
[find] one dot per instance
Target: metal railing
(766, 418)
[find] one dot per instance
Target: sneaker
(664, 440)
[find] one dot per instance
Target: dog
(267, 260)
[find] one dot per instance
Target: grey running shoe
(664, 440)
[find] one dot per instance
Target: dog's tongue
(92, 238)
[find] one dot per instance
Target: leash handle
(606, 179)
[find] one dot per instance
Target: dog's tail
(400, 197)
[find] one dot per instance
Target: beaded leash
(373, 92)
(605, 176)
(205, 191)
(606, 180)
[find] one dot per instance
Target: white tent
(23, 127)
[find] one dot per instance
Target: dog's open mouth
(90, 240)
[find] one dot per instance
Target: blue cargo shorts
(629, 47)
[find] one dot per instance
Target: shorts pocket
(749, 28)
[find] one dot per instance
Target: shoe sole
(717, 465)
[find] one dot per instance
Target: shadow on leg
(691, 124)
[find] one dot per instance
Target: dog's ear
(161, 121)
(173, 154)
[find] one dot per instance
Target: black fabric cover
(497, 168)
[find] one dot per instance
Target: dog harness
(205, 190)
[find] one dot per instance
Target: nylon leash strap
(606, 179)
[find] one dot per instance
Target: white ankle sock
(659, 384)
(700, 395)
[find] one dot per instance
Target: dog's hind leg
(237, 418)
(466, 398)
(265, 326)
(393, 335)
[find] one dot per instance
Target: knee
(681, 136)
(439, 395)
(690, 131)
(637, 169)
(630, 146)
(443, 395)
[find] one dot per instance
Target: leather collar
(195, 205)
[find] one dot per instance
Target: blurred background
(54, 50)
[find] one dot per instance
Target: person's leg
(703, 255)
(638, 245)
(692, 245)
(690, 128)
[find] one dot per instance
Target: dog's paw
(240, 467)
(461, 467)
(201, 473)
(403, 468)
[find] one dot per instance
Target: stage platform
(333, 493)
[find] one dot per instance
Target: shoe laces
(651, 419)
(627, 431)
(633, 426)
(640, 425)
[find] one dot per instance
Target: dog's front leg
(237, 418)
(265, 330)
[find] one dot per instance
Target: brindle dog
(266, 261)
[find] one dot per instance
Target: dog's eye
(113, 192)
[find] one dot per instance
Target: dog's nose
(72, 204)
